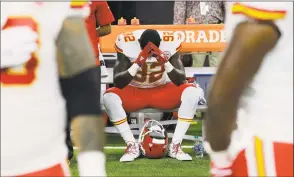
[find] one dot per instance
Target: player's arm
(177, 72)
(122, 75)
(104, 30)
(80, 82)
(104, 18)
(238, 66)
(173, 65)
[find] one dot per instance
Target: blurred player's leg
(264, 158)
(170, 97)
(69, 140)
(283, 156)
(59, 170)
(116, 101)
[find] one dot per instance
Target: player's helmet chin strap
(151, 129)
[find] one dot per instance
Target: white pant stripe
(269, 160)
(65, 168)
(251, 159)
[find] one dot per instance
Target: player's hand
(161, 58)
(17, 46)
(158, 54)
(144, 54)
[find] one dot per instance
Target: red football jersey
(100, 13)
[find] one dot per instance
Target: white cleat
(176, 152)
(131, 153)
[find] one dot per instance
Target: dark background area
(148, 12)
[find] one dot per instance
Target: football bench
(202, 76)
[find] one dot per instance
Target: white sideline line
(123, 147)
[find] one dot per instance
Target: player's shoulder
(79, 8)
(127, 43)
(66, 9)
(35, 10)
(170, 42)
(271, 6)
(261, 10)
(129, 38)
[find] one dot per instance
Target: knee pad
(114, 107)
(189, 102)
(110, 99)
(192, 94)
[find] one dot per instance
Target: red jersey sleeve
(103, 14)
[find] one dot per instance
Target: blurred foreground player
(100, 15)
(33, 108)
(253, 89)
(147, 59)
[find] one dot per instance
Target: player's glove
(221, 162)
(158, 54)
(143, 55)
(17, 46)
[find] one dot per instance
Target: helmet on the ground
(153, 140)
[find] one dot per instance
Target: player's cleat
(131, 153)
(176, 152)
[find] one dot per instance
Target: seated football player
(149, 74)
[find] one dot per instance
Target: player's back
(32, 107)
(269, 98)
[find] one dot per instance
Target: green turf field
(151, 167)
